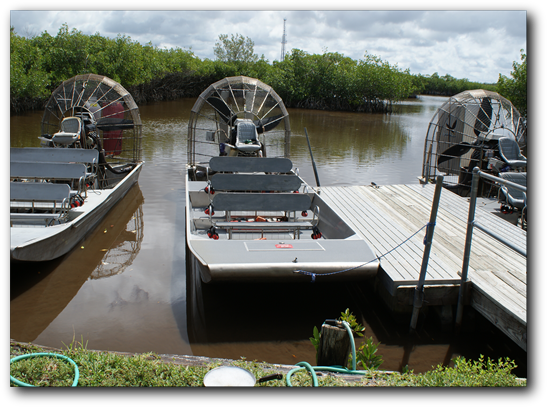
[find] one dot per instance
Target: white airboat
(89, 158)
(249, 215)
(479, 128)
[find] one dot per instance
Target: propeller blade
(455, 151)
(267, 124)
(112, 124)
(451, 127)
(223, 109)
(484, 117)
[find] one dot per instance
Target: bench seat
(255, 182)
(72, 173)
(265, 225)
(288, 202)
(54, 155)
(257, 185)
(250, 164)
(47, 218)
(260, 203)
(45, 201)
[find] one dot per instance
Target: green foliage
(357, 328)
(235, 49)
(515, 89)
(446, 85)
(335, 82)
(329, 81)
(465, 373)
(366, 353)
(367, 356)
(105, 369)
(346, 316)
(316, 338)
(41, 63)
(28, 78)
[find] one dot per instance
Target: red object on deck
(112, 140)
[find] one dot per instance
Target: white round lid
(228, 376)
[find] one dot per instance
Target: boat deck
(388, 215)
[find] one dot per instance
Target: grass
(105, 369)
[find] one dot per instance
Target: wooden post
(334, 346)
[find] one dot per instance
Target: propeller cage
(221, 118)
(465, 131)
(106, 110)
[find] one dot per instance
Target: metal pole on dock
(312, 160)
(467, 250)
(419, 290)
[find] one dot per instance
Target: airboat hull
(60, 191)
(37, 244)
(235, 262)
(249, 216)
(340, 255)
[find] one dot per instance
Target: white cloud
(477, 45)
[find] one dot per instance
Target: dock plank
(370, 221)
(386, 220)
(443, 237)
(387, 215)
(487, 251)
(402, 212)
(498, 290)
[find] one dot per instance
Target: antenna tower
(283, 41)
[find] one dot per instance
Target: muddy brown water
(123, 288)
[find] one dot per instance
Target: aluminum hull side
(44, 244)
(235, 261)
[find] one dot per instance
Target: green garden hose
(336, 369)
(32, 355)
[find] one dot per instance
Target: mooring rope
(314, 275)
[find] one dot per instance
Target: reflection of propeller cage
(118, 258)
(474, 119)
(92, 98)
(246, 98)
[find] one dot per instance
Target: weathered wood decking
(388, 215)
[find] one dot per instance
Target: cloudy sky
(477, 45)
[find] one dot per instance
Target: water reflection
(351, 137)
(165, 127)
(142, 305)
(39, 293)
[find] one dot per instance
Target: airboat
(249, 216)
(88, 159)
(478, 128)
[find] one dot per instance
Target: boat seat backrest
(516, 177)
(246, 131)
(61, 155)
(38, 192)
(247, 137)
(255, 182)
(47, 171)
(250, 164)
(47, 202)
(71, 125)
(261, 202)
(516, 197)
(510, 151)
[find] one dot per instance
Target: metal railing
(428, 240)
(471, 224)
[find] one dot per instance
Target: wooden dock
(387, 215)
